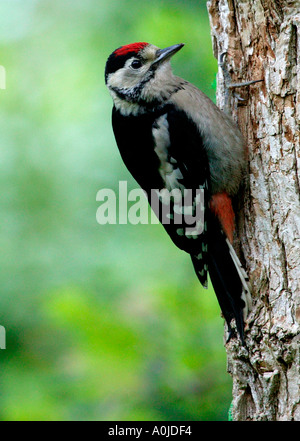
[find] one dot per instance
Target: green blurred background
(103, 322)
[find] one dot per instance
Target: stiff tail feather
(228, 278)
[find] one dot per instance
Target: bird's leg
(228, 85)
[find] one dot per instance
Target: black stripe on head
(119, 57)
(115, 63)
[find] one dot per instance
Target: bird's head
(139, 74)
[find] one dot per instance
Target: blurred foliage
(103, 322)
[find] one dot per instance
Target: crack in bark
(284, 265)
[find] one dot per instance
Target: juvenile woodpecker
(172, 136)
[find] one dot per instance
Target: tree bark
(262, 41)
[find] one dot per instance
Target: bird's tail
(228, 277)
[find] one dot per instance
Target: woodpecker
(172, 136)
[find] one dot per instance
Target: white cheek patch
(125, 87)
(127, 77)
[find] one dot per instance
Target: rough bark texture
(262, 41)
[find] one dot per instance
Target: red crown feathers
(134, 47)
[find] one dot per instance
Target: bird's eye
(136, 64)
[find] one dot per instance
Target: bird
(172, 137)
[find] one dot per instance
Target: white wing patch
(169, 171)
(172, 176)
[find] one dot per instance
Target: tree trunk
(262, 41)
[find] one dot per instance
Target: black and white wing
(183, 201)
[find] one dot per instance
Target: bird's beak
(164, 54)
